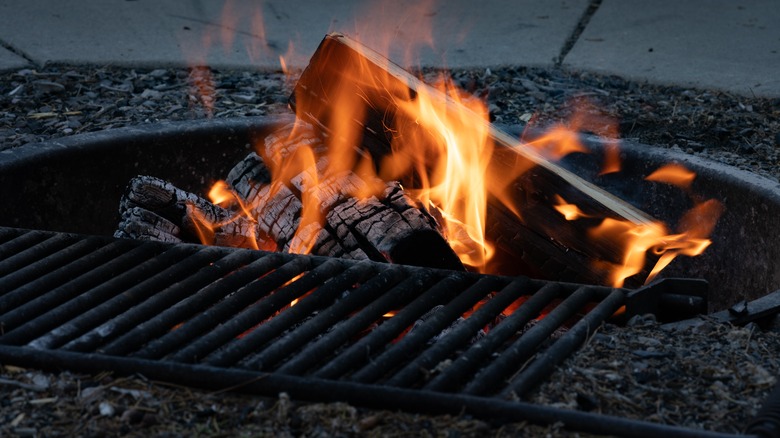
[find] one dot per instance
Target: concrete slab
(246, 33)
(11, 61)
(724, 44)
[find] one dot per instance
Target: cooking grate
(372, 334)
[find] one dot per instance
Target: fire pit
(426, 339)
(73, 185)
(78, 181)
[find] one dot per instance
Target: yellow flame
(455, 180)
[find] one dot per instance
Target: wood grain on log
(154, 209)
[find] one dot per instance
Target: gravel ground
(40, 404)
(708, 376)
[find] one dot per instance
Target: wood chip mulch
(709, 376)
(68, 404)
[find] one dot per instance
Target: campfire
(532, 257)
(325, 328)
(379, 165)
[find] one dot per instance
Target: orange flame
(221, 194)
(563, 139)
(569, 211)
(444, 141)
(674, 174)
(454, 181)
(637, 241)
(558, 142)
(233, 17)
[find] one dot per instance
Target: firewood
(375, 85)
(154, 209)
(387, 226)
(141, 224)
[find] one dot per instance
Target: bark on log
(341, 63)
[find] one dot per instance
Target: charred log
(385, 226)
(154, 209)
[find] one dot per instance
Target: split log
(387, 227)
(154, 209)
(540, 243)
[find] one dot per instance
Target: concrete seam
(593, 6)
(18, 53)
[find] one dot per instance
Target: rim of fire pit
(73, 184)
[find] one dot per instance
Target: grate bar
(65, 283)
(204, 270)
(521, 350)
(370, 396)
(18, 243)
(266, 304)
(214, 328)
(464, 332)
(33, 254)
(367, 306)
(379, 337)
(56, 253)
(192, 305)
(121, 292)
(418, 336)
(459, 370)
(329, 329)
(308, 305)
(99, 285)
(546, 361)
(53, 278)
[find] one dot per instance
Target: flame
(674, 174)
(202, 88)
(237, 18)
(569, 211)
(441, 148)
(637, 241)
(208, 225)
(565, 138)
(221, 194)
(257, 46)
(303, 165)
(454, 181)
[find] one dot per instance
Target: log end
(425, 248)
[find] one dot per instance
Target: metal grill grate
(222, 317)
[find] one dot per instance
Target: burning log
(254, 211)
(348, 81)
(154, 209)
